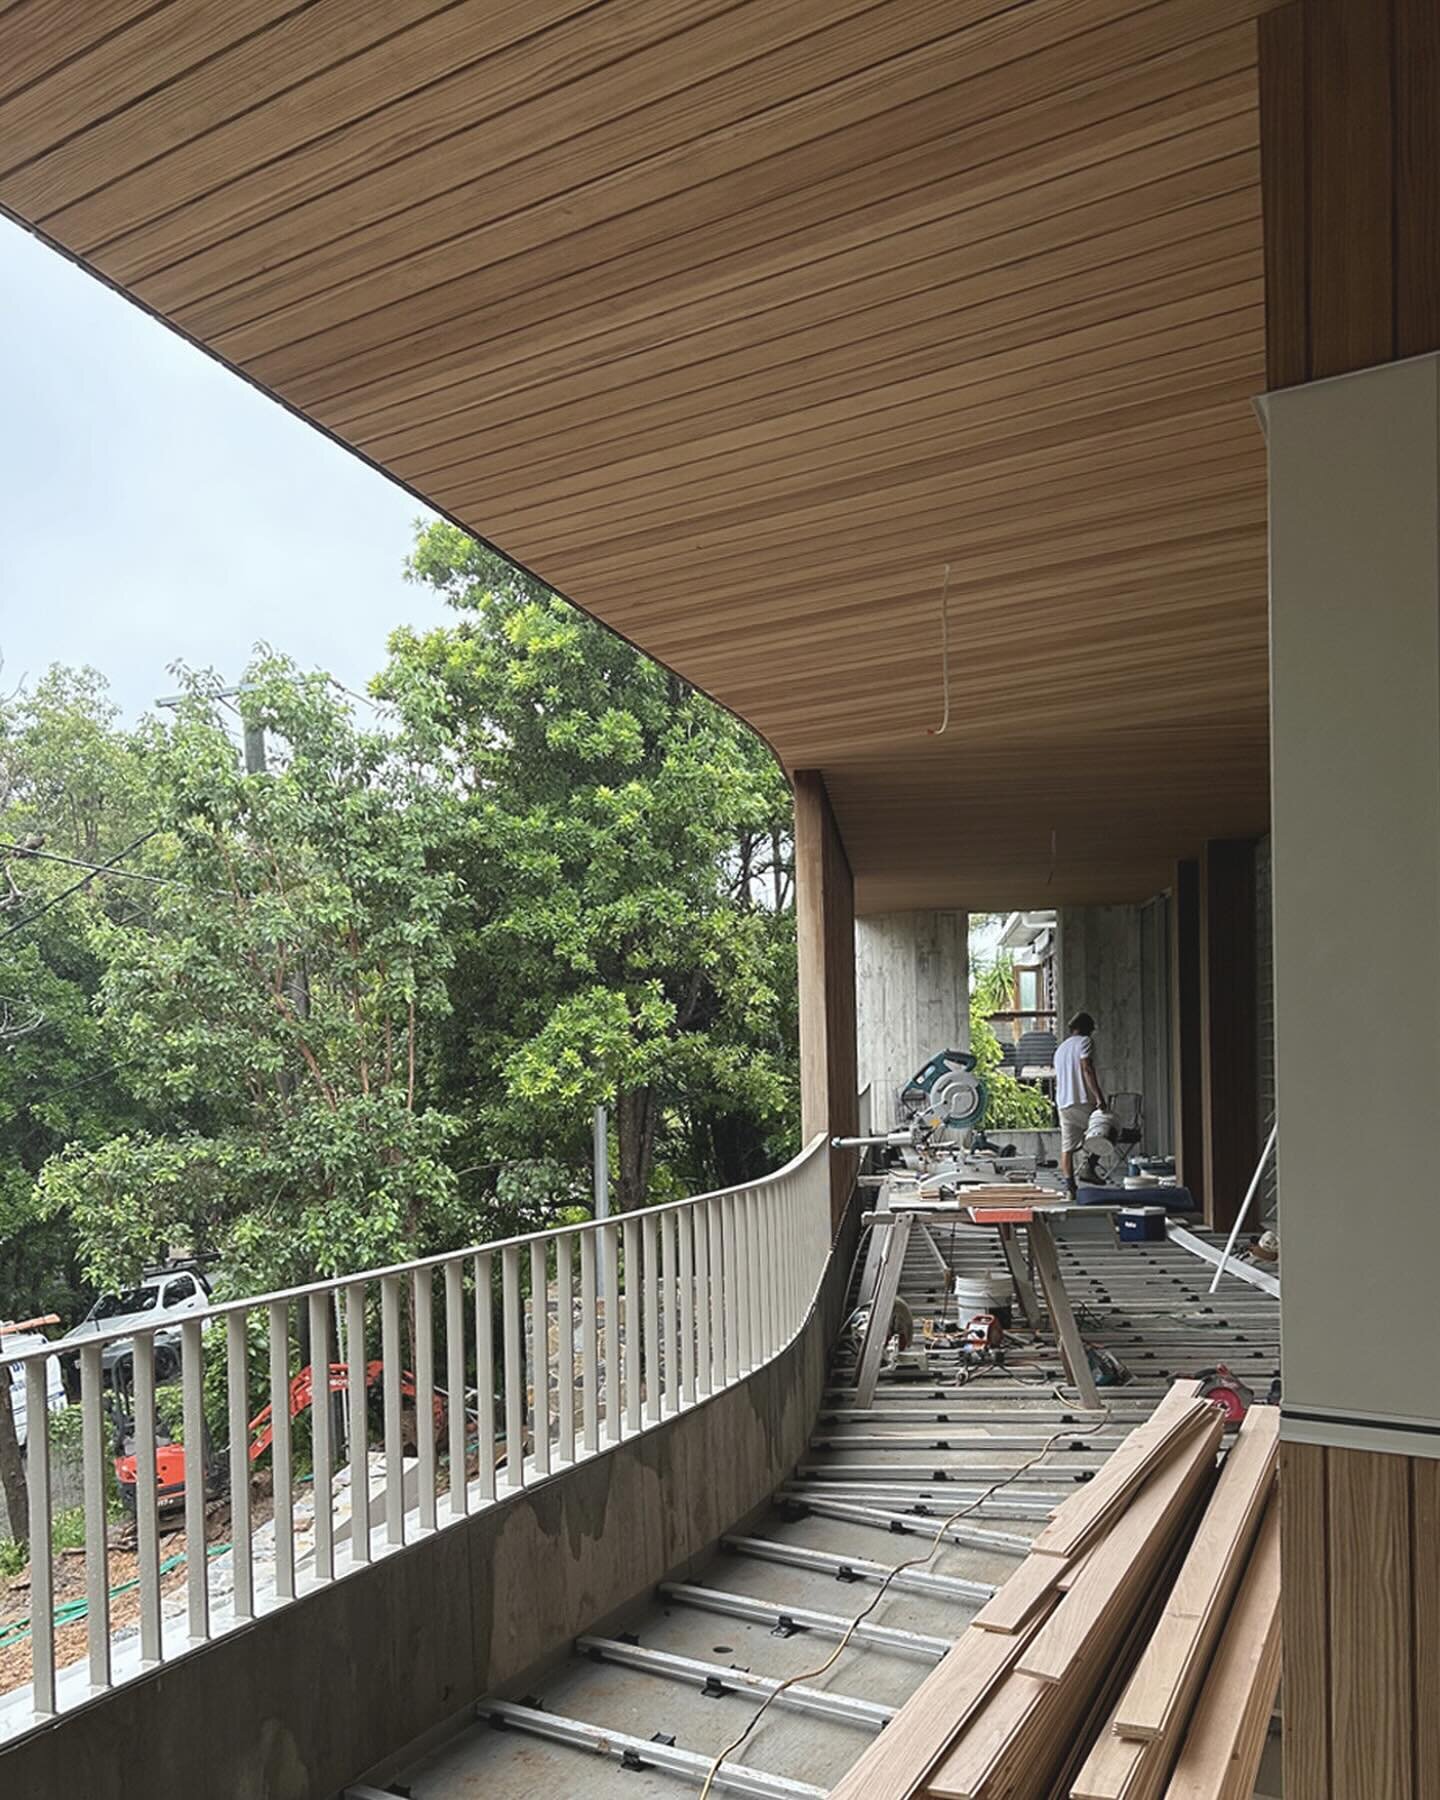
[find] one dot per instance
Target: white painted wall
(1355, 698)
(912, 997)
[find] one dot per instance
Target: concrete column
(825, 956)
(1355, 620)
(912, 997)
(1097, 970)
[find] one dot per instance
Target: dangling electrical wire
(944, 725)
(936, 1544)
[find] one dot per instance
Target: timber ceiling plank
(43, 37)
(739, 322)
(797, 297)
(823, 139)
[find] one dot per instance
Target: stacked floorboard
(1133, 1655)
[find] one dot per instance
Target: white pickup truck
(162, 1295)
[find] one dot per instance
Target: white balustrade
(331, 1458)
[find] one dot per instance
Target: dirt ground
(69, 1578)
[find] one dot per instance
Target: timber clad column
(825, 955)
(1350, 158)
(1229, 1027)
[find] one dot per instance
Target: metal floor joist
(643, 1709)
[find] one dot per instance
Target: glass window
(133, 1300)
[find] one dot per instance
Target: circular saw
(945, 1097)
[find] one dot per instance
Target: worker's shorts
(1073, 1120)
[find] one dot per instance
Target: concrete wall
(1114, 963)
(1097, 969)
(307, 1700)
(912, 993)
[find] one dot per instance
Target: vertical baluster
(654, 1384)
(422, 1284)
(97, 1564)
(794, 1253)
(357, 1374)
(512, 1347)
(147, 1508)
(730, 1289)
(754, 1276)
(42, 1570)
(805, 1241)
(685, 1225)
(755, 1205)
(237, 1410)
(634, 1281)
(589, 1348)
(281, 1460)
(610, 1264)
(540, 1353)
(764, 1218)
(485, 1373)
(197, 1571)
(762, 1272)
(799, 1255)
(704, 1373)
(715, 1301)
(782, 1267)
(391, 1371)
(323, 1458)
(565, 1345)
(768, 1214)
(670, 1313)
(455, 1385)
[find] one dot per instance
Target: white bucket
(983, 1294)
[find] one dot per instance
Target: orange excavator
(170, 1456)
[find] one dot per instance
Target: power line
(75, 862)
(75, 886)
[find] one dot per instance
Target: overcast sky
(153, 507)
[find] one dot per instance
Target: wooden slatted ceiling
(737, 321)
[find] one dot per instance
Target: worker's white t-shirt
(1069, 1082)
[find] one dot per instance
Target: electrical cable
(944, 725)
(1068, 1431)
(75, 862)
(84, 881)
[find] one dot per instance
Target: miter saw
(940, 1106)
(945, 1099)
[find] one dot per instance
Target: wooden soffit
(737, 323)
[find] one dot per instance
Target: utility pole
(253, 735)
(254, 749)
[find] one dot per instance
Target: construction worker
(1077, 1091)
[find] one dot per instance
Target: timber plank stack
(1134, 1655)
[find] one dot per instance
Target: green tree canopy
(625, 859)
(274, 1007)
(70, 786)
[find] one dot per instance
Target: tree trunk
(12, 1468)
(635, 1130)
